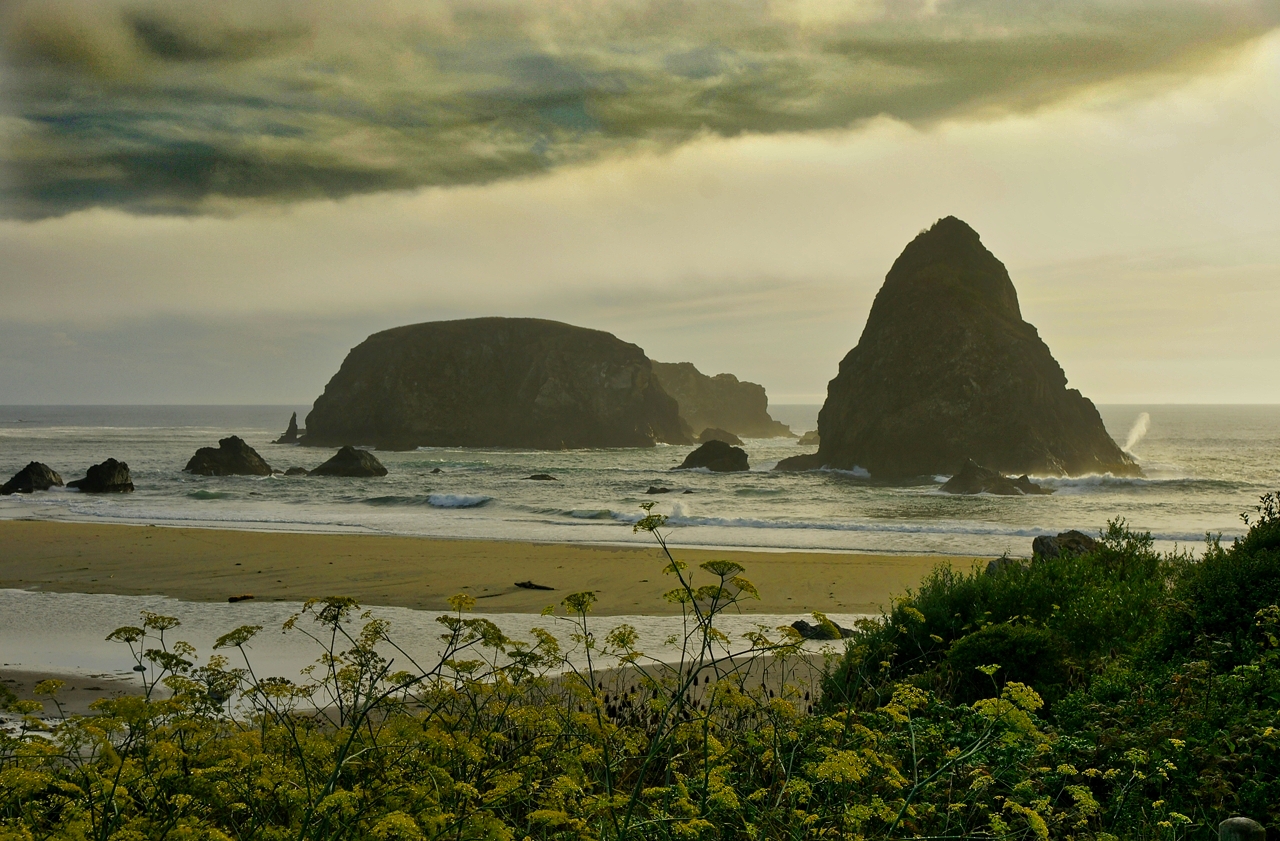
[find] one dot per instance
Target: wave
(458, 500)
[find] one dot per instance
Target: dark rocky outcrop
(1066, 543)
(349, 461)
(232, 457)
(542, 477)
(999, 565)
(721, 402)
(495, 382)
(297, 471)
(810, 439)
(658, 489)
(34, 477)
(716, 456)
(824, 629)
(713, 434)
(291, 434)
(973, 478)
(109, 477)
(946, 370)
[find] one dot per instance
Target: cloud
(166, 107)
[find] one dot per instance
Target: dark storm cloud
(178, 107)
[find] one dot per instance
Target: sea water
(1204, 466)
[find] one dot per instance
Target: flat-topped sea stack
(946, 371)
(495, 382)
(719, 402)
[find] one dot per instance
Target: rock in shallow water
(36, 476)
(232, 457)
(109, 477)
(351, 462)
(946, 369)
(716, 456)
(973, 478)
(1066, 543)
(291, 434)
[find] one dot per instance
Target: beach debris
(810, 439)
(655, 489)
(716, 456)
(712, 433)
(232, 457)
(973, 478)
(1066, 543)
(349, 461)
(291, 434)
(246, 597)
(36, 476)
(542, 477)
(110, 476)
(529, 585)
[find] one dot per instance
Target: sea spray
(1137, 432)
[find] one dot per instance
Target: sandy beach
(212, 565)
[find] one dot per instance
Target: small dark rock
(827, 630)
(716, 456)
(34, 477)
(291, 434)
(810, 439)
(1241, 829)
(109, 477)
(688, 492)
(351, 462)
(542, 477)
(297, 471)
(973, 478)
(1066, 543)
(999, 565)
(232, 457)
(244, 598)
(712, 433)
(436, 470)
(529, 585)
(654, 489)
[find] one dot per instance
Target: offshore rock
(297, 471)
(810, 439)
(720, 402)
(291, 434)
(109, 477)
(1066, 543)
(349, 461)
(36, 476)
(495, 382)
(716, 456)
(232, 457)
(947, 370)
(713, 434)
(973, 478)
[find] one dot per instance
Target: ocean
(1204, 466)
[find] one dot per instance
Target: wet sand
(417, 572)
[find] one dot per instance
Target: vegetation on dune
(1119, 694)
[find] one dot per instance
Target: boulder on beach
(713, 434)
(34, 477)
(946, 369)
(720, 402)
(291, 434)
(110, 476)
(349, 461)
(1065, 543)
(232, 457)
(810, 439)
(973, 478)
(495, 382)
(716, 456)
(822, 629)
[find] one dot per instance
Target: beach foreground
(416, 572)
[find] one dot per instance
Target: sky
(213, 202)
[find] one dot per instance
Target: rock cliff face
(722, 401)
(947, 370)
(494, 382)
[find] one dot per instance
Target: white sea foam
(1137, 432)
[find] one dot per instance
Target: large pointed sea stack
(947, 371)
(495, 382)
